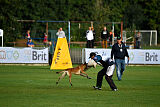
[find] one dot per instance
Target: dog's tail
(59, 72)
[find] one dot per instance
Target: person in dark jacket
(51, 52)
(108, 70)
(104, 37)
(119, 52)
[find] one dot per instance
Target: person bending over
(107, 71)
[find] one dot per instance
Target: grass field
(34, 86)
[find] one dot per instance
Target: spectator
(108, 70)
(104, 37)
(119, 52)
(51, 51)
(28, 36)
(90, 38)
(30, 43)
(60, 33)
(45, 39)
(138, 39)
(110, 37)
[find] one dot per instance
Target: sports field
(35, 86)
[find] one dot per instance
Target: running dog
(79, 70)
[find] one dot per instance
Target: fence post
(121, 30)
(151, 39)
(69, 32)
(156, 39)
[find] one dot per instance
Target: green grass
(151, 47)
(34, 86)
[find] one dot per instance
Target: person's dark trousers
(110, 42)
(89, 43)
(100, 77)
(92, 43)
(138, 44)
(50, 58)
(110, 82)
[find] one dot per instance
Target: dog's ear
(85, 63)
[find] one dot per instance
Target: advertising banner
(137, 56)
(23, 55)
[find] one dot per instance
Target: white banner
(137, 56)
(23, 55)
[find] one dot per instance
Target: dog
(79, 70)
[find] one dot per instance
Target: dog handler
(108, 70)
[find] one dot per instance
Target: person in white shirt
(90, 38)
(60, 33)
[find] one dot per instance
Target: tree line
(135, 14)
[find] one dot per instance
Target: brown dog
(79, 70)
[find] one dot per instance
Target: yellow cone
(61, 58)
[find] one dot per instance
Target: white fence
(23, 55)
(137, 56)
